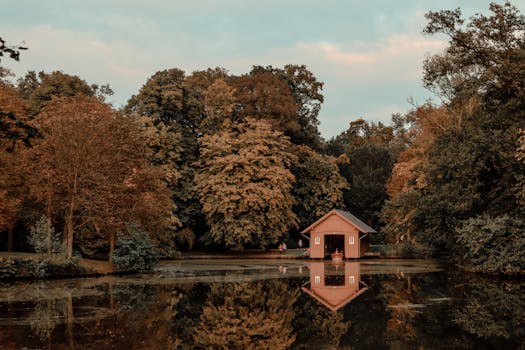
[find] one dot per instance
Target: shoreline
(34, 266)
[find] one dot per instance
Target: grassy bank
(46, 266)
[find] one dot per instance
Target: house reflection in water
(334, 284)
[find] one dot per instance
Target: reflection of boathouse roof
(327, 298)
(332, 287)
(345, 215)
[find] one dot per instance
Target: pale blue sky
(369, 54)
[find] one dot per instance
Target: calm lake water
(267, 304)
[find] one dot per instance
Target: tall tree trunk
(69, 230)
(48, 209)
(69, 216)
(111, 245)
(48, 216)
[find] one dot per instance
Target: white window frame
(317, 280)
(351, 240)
(351, 279)
(317, 240)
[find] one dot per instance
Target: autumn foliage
(89, 170)
(244, 184)
(237, 161)
(204, 158)
(15, 133)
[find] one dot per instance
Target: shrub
(59, 266)
(43, 237)
(493, 245)
(47, 266)
(134, 251)
(7, 268)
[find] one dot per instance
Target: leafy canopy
(244, 184)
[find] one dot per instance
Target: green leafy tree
(16, 126)
(485, 61)
(165, 151)
(468, 168)
(319, 186)
(174, 104)
(90, 168)
(17, 130)
(359, 133)
(368, 171)
(416, 133)
(39, 89)
(484, 54)
(262, 95)
(134, 250)
(367, 147)
(163, 98)
(197, 86)
(493, 245)
(219, 106)
(457, 180)
(200, 103)
(244, 184)
(306, 92)
(176, 99)
(402, 216)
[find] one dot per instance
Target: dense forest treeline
(231, 162)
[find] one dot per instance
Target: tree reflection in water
(494, 310)
(399, 311)
(247, 316)
(46, 316)
(317, 326)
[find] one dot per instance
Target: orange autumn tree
(245, 184)
(427, 123)
(15, 133)
(265, 96)
(90, 170)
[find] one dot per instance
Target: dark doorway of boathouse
(333, 243)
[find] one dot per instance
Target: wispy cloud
(377, 60)
(369, 54)
(335, 53)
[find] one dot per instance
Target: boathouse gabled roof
(330, 304)
(346, 216)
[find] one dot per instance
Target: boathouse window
(317, 279)
(351, 279)
(351, 240)
(317, 240)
